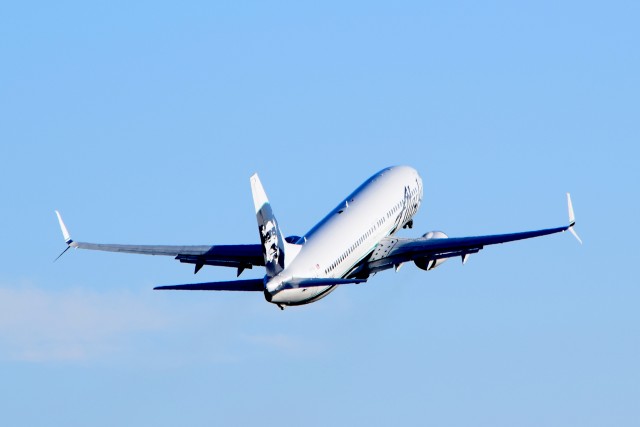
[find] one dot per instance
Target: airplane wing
(237, 256)
(393, 252)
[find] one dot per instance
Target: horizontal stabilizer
(252, 285)
(310, 283)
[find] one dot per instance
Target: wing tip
(572, 219)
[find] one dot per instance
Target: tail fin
(273, 243)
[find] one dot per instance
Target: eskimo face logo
(269, 233)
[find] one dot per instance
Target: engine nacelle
(427, 263)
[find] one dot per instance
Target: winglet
(65, 232)
(65, 235)
(572, 219)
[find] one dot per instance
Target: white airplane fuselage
(335, 247)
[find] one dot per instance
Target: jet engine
(429, 263)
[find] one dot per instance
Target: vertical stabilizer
(273, 243)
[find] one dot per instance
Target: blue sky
(143, 122)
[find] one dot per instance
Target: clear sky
(142, 122)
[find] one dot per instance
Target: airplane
(355, 241)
